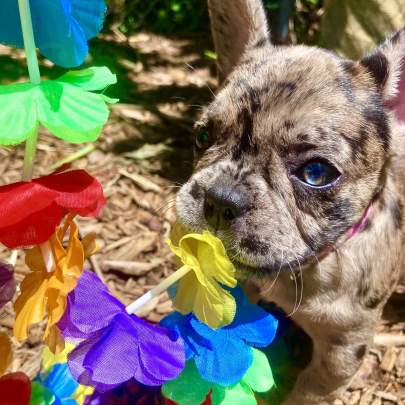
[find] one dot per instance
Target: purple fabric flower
(7, 284)
(115, 346)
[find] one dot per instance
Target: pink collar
(361, 224)
(354, 230)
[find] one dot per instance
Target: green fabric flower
(258, 378)
(66, 107)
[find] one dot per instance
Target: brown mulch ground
(142, 156)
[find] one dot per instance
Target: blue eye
(318, 174)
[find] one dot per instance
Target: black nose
(222, 205)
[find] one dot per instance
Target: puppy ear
(236, 25)
(387, 66)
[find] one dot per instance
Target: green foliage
(188, 17)
(170, 17)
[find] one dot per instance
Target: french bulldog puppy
(300, 171)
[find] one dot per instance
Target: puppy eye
(203, 140)
(318, 174)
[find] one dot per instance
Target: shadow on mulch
(174, 132)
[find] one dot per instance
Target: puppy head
(294, 147)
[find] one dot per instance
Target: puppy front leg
(331, 369)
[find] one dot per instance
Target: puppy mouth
(245, 270)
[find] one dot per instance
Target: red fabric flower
(15, 389)
(31, 211)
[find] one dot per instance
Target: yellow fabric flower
(200, 290)
(6, 353)
(81, 393)
(49, 359)
(45, 293)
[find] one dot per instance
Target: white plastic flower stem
(159, 289)
(35, 78)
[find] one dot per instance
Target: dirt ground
(141, 158)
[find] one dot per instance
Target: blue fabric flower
(223, 356)
(61, 27)
(60, 383)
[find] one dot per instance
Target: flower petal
(61, 27)
(259, 376)
(24, 223)
(90, 308)
(60, 381)
(161, 353)
(182, 325)
(15, 389)
(211, 304)
(6, 353)
(30, 306)
(215, 364)
(253, 324)
(7, 284)
(179, 390)
(239, 394)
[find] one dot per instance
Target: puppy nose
(222, 205)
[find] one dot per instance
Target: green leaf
(259, 376)
(91, 79)
(64, 107)
(70, 113)
(239, 394)
(18, 118)
(188, 388)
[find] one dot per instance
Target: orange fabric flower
(6, 353)
(45, 292)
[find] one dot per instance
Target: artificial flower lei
(44, 291)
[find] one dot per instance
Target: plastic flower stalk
(24, 223)
(45, 292)
(114, 346)
(206, 269)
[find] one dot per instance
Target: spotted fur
(278, 108)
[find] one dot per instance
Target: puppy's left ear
(387, 66)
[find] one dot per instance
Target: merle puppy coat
(300, 171)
